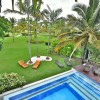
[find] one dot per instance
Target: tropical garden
(46, 33)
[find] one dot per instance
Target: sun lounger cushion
(59, 64)
(21, 63)
(37, 63)
(67, 62)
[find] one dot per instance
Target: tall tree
(27, 8)
(34, 2)
(12, 21)
(87, 25)
(50, 16)
(0, 5)
(12, 4)
(4, 27)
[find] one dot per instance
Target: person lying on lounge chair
(21, 63)
(37, 63)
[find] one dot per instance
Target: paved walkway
(89, 74)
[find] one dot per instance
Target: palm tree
(50, 16)
(12, 21)
(27, 8)
(36, 4)
(0, 5)
(37, 17)
(87, 25)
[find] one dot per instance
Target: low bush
(10, 81)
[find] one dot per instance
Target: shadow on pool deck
(90, 74)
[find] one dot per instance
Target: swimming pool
(72, 85)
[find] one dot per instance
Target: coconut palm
(50, 16)
(12, 4)
(29, 9)
(87, 25)
(12, 21)
(36, 4)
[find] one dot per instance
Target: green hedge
(10, 81)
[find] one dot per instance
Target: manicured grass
(12, 52)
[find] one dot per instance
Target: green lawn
(12, 52)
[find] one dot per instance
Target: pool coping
(34, 83)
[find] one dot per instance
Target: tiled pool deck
(89, 74)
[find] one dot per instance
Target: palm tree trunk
(49, 40)
(12, 4)
(85, 49)
(13, 37)
(29, 48)
(0, 5)
(36, 38)
(84, 53)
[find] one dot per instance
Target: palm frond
(65, 35)
(96, 2)
(93, 18)
(92, 38)
(58, 12)
(81, 9)
(61, 44)
(45, 11)
(78, 37)
(97, 27)
(12, 11)
(97, 19)
(49, 8)
(76, 46)
(96, 44)
(90, 10)
(76, 22)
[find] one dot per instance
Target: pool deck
(90, 74)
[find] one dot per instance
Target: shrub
(10, 81)
(54, 42)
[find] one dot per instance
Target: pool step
(76, 88)
(83, 90)
(93, 86)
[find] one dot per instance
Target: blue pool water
(74, 86)
(63, 92)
